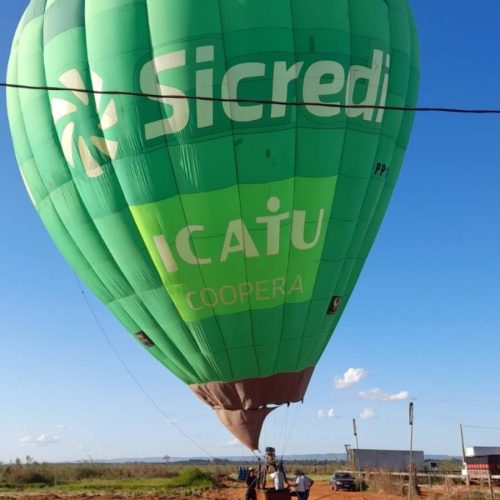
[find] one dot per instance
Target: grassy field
(90, 477)
(104, 478)
(186, 478)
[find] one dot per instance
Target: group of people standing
(302, 483)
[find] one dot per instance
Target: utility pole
(410, 477)
(464, 464)
(355, 432)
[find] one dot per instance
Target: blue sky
(422, 324)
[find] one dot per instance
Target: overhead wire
(416, 109)
(481, 427)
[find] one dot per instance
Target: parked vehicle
(343, 481)
(431, 465)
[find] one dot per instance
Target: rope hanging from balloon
(136, 381)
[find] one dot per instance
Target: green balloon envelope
(225, 217)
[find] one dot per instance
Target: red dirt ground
(320, 491)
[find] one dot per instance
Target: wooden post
(490, 486)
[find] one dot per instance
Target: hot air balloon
(223, 201)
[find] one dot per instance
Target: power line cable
(422, 109)
(134, 378)
(482, 427)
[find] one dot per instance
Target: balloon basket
(272, 494)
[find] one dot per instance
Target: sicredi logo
(74, 108)
(322, 80)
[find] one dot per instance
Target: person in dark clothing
(251, 485)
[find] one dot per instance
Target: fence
(451, 485)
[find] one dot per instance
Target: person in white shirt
(278, 477)
(302, 485)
